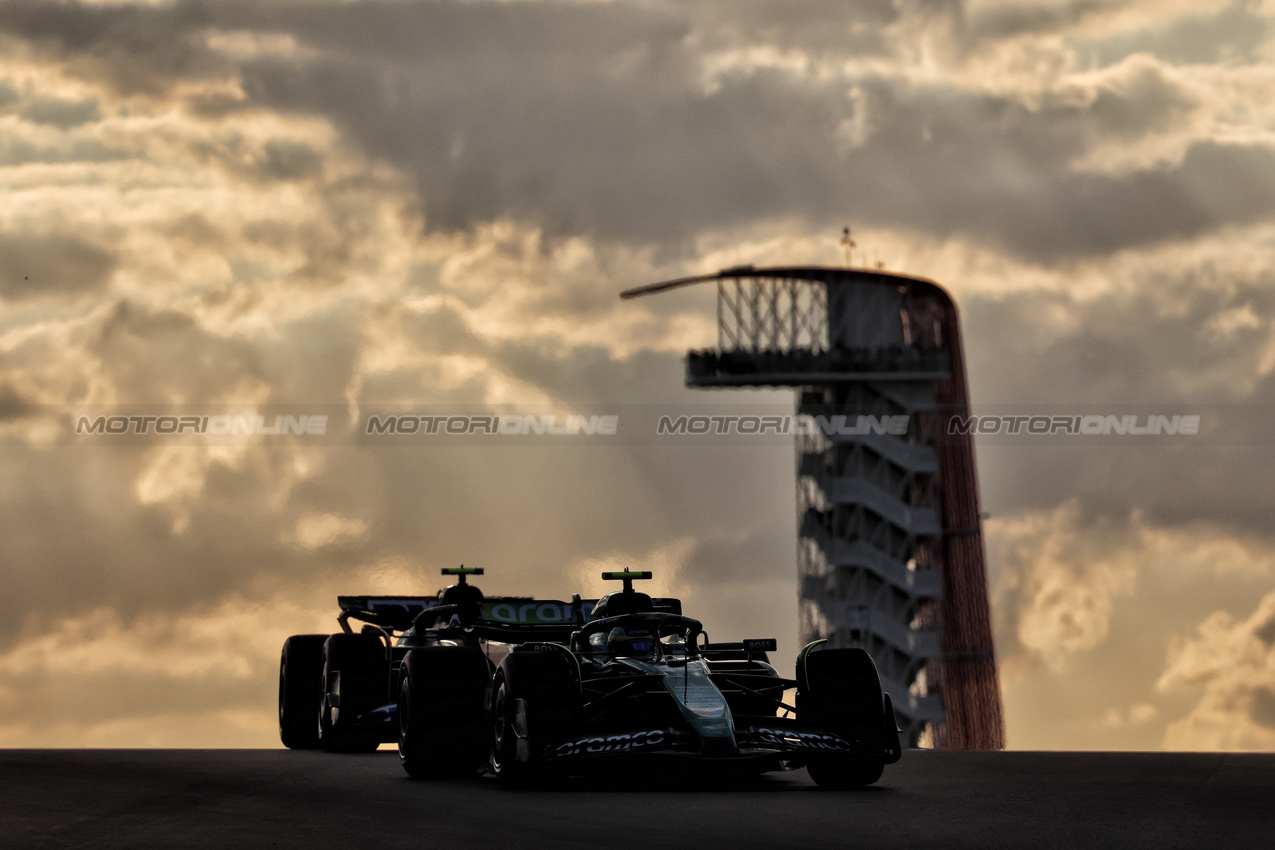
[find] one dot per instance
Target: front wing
(757, 739)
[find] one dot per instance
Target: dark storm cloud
(574, 504)
(560, 146)
(275, 160)
(13, 404)
(569, 373)
(286, 161)
(17, 151)
(1263, 707)
(599, 120)
(1145, 102)
(579, 142)
(61, 113)
(122, 554)
(1157, 338)
(1022, 570)
(820, 29)
(154, 356)
(1002, 21)
(163, 355)
(542, 511)
(136, 49)
(528, 514)
(313, 360)
(992, 169)
(591, 372)
(1234, 34)
(168, 530)
(43, 265)
(1157, 344)
(749, 555)
(583, 504)
(195, 230)
(941, 162)
(1227, 664)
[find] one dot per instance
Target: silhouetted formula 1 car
(339, 691)
(532, 688)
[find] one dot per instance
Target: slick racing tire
(839, 690)
(832, 774)
(535, 697)
(355, 681)
(300, 690)
(440, 712)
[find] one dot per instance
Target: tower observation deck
(890, 548)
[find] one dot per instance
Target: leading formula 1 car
(532, 688)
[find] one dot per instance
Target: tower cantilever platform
(890, 549)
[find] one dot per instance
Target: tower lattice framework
(890, 550)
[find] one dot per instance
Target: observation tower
(890, 548)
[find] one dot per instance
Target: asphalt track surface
(276, 798)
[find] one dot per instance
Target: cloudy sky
(326, 205)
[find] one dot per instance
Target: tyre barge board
(260, 798)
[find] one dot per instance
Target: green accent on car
(698, 699)
(527, 612)
(805, 656)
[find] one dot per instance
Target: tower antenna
(847, 243)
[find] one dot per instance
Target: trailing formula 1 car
(530, 689)
(339, 691)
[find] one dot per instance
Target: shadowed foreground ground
(262, 798)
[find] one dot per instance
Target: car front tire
(840, 690)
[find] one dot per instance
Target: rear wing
(396, 613)
(511, 610)
(399, 613)
(517, 619)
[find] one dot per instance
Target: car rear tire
(300, 690)
(355, 681)
(839, 690)
(440, 712)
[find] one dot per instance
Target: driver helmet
(626, 643)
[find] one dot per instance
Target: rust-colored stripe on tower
(971, 690)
